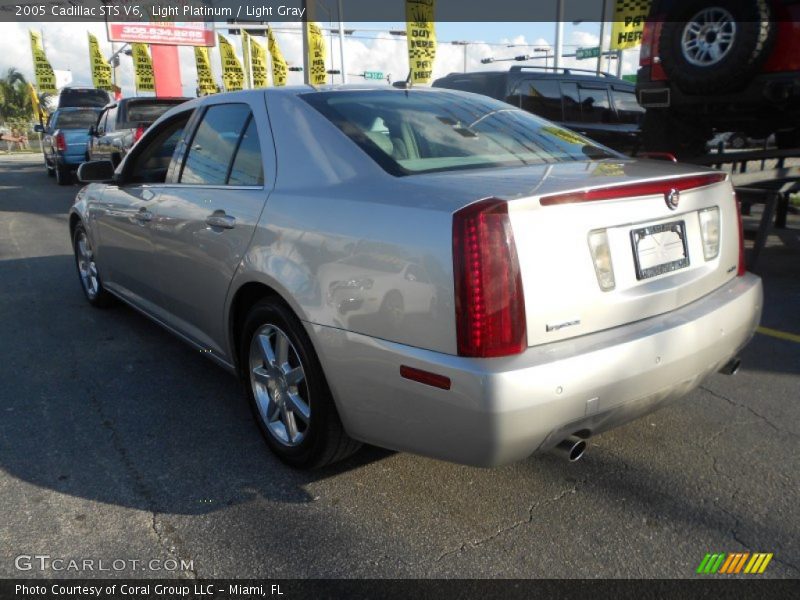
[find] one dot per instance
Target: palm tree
(15, 101)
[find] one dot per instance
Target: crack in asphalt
(469, 545)
(748, 409)
(171, 546)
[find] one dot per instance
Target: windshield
(76, 119)
(411, 131)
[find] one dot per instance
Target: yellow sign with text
(421, 34)
(232, 73)
(101, 70)
(258, 65)
(318, 74)
(45, 77)
(279, 68)
(629, 20)
(205, 77)
(143, 68)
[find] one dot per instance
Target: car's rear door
(208, 213)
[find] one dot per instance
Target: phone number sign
(173, 33)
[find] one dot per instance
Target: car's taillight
(61, 141)
(490, 306)
(742, 267)
(631, 190)
(650, 46)
(138, 133)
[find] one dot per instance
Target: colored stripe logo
(722, 563)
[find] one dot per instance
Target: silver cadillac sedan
(423, 270)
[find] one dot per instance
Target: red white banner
(171, 33)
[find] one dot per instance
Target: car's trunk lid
(563, 296)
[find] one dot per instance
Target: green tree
(15, 100)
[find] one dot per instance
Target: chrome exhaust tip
(571, 448)
(731, 367)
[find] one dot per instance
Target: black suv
(122, 123)
(601, 107)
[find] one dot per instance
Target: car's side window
(247, 168)
(152, 160)
(111, 119)
(101, 122)
(541, 97)
(628, 109)
(214, 145)
(595, 105)
(569, 98)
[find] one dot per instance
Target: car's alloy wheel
(87, 270)
(708, 37)
(278, 381)
(287, 389)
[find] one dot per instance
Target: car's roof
(148, 100)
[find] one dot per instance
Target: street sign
(583, 53)
(376, 75)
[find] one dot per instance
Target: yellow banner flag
(232, 74)
(101, 70)
(205, 77)
(258, 64)
(628, 27)
(421, 35)
(246, 56)
(318, 74)
(38, 111)
(279, 68)
(45, 77)
(143, 68)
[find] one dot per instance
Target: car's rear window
(147, 112)
(82, 97)
(76, 119)
(418, 131)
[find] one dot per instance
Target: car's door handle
(144, 215)
(219, 219)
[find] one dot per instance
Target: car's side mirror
(96, 171)
(38, 129)
(92, 131)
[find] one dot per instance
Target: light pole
(465, 45)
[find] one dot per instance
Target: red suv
(719, 65)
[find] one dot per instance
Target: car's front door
(124, 218)
(207, 215)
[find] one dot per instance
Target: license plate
(660, 249)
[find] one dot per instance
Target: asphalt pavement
(120, 443)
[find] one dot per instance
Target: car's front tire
(287, 390)
(88, 276)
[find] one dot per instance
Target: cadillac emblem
(673, 197)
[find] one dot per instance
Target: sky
(367, 49)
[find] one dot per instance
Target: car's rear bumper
(502, 410)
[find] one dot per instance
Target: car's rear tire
(63, 174)
(663, 132)
(711, 47)
(287, 390)
(91, 284)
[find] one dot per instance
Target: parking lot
(118, 442)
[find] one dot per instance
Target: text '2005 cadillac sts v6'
(424, 270)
